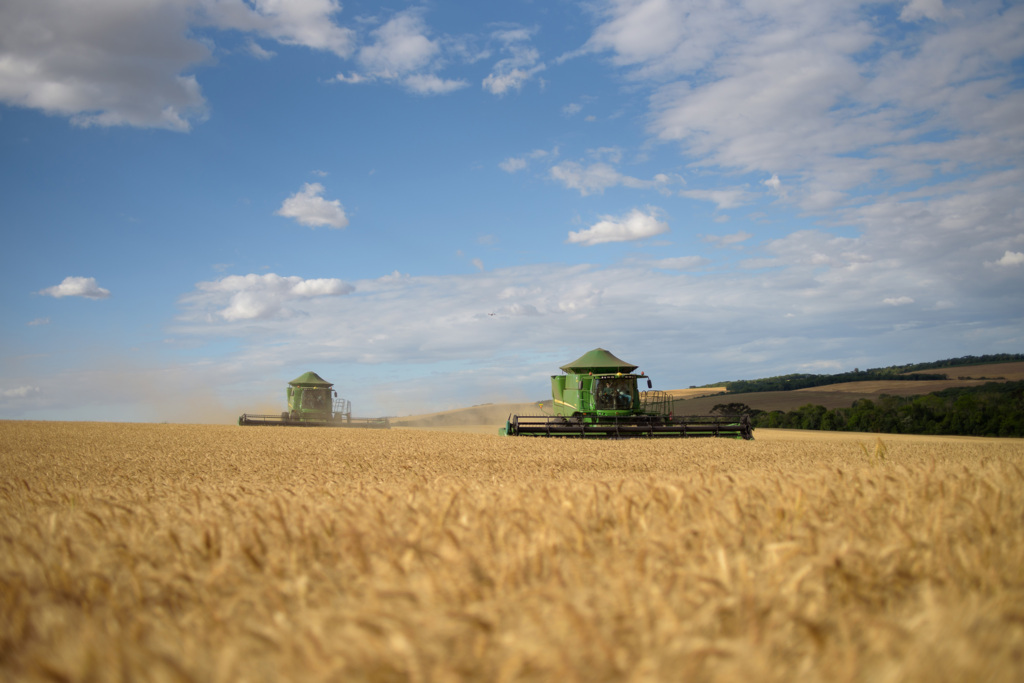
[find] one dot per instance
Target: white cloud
(77, 286)
(101, 65)
(598, 177)
(353, 78)
(898, 300)
(505, 78)
(727, 198)
(1008, 260)
(401, 46)
(38, 321)
(116, 62)
(429, 84)
(403, 52)
(658, 37)
(820, 94)
(19, 392)
(681, 263)
(513, 164)
(919, 9)
(775, 186)
(728, 240)
(255, 297)
(635, 225)
(308, 23)
(258, 51)
(308, 207)
(522, 64)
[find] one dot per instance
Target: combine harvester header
(312, 402)
(597, 397)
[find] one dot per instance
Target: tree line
(894, 372)
(992, 409)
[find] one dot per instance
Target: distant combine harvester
(313, 402)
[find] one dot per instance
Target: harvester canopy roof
(310, 379)
(598, 361)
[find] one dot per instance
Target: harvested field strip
(893, 387)
(1011, 372)
(695, 393)
(168, 552)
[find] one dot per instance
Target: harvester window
(615, 393)
(316, 399)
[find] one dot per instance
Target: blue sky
(436, 204)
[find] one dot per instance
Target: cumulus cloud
(308, 207)
(85, 287)
(402, 51)
(635, 225)
(400, 46)
(254, 297)
(102, 65)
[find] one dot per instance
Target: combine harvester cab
(598, 397)
(312, 402)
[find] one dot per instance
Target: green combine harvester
(597, 397)
(312, 402)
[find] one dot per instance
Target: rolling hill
(842, 395)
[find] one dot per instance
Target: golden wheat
(204, 553)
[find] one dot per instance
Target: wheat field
(135, 552)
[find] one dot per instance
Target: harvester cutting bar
(279, 420)
(273, 420)
(634, 426)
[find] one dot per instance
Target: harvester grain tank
(313, 402)
(598, 397)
